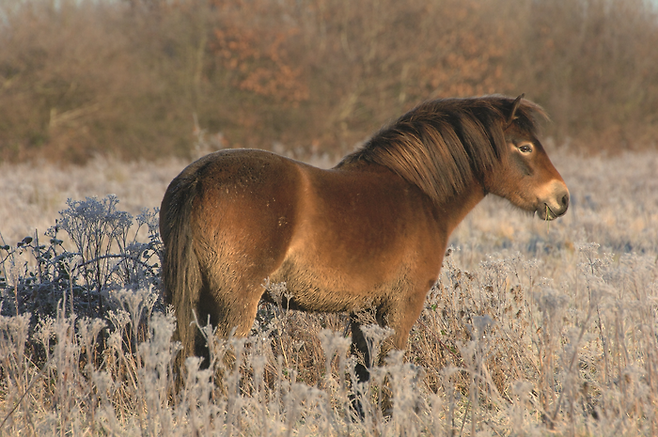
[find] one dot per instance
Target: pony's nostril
(565, 200)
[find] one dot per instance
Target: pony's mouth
(546, 213)
(553, 207)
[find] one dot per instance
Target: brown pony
(368, 233)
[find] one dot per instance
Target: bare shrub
(137, 79)
(592, 65)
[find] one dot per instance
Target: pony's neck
(455, 208)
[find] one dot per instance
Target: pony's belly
(316, 299)
(326, 290)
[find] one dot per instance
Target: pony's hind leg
(228, 313)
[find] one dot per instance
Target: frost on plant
(527, 337)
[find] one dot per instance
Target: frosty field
(532, 329)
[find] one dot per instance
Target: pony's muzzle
(556, 204)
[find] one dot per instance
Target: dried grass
(529, 331)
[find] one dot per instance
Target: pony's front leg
(365, 359)
(401, 318)
(360, 350)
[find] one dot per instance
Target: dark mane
(441, 145)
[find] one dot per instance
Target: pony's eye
(525, 148)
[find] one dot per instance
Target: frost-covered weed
(107, 255)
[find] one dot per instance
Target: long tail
(181, 275)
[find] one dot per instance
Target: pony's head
(526, 176)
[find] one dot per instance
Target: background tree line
(137, 79)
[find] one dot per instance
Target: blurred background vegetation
(138, 79)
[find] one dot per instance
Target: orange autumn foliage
(135, 79)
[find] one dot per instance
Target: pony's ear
(515, 106)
